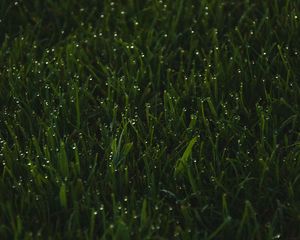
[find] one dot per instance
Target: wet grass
(150, 119)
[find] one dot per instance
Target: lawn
(150, 119)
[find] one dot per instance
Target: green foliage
(182, 162)
(149, 119)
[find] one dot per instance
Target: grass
(150, 119)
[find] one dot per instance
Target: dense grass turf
(135, 119)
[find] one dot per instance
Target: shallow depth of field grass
(147, 119)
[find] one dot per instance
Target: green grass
(136, 119)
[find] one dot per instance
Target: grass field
(147, 119)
